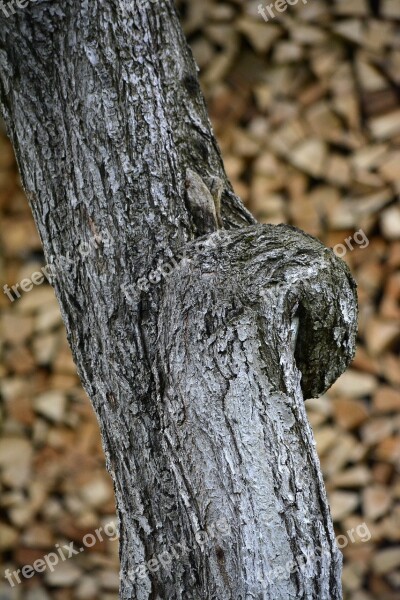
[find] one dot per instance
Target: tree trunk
(197, 371)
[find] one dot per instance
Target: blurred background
(306, 108)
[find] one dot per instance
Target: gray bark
(197, 380)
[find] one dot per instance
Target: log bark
(197, 333)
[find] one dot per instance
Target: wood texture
(197, 379)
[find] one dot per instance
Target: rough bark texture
(197, 380)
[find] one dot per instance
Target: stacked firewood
(306, 107)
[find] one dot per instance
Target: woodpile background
(307, 111)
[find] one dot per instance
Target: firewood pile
(306, 107)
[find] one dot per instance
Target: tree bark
(197, 372)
